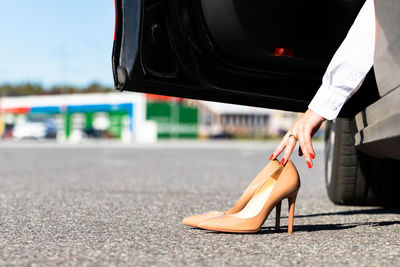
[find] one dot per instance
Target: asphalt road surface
(109, 204)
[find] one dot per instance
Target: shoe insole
(257, 202)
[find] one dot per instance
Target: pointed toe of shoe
(213, 224)
(228, 224)
(195, 220)
(222, 223)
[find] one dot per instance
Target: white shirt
(349, 66)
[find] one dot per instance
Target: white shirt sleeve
(349, 66)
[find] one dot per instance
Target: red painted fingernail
(313, 156)
(283, 161)
(309, 164)
(270, 158)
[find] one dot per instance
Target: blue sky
(56, 42)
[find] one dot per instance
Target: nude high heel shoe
(283, 183)
(248, 193)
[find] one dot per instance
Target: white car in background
(29, 129)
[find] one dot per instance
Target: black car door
(261, 53)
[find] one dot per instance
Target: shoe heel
(278, 216)
(291, 201)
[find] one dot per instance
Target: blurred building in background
(75, 117)
(175, 117)
(221, 120)
(135, 117)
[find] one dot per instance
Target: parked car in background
(34, 127)
(29, 129)
(273, 54)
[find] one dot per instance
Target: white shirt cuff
(328, 102)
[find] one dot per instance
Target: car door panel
(216, 50)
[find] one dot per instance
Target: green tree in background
(37, 89)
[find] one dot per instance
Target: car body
(29, 130)
(269, 54)
(38, 126)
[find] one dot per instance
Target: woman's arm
(343, 77)
(349, 65)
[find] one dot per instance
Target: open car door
(262, 53)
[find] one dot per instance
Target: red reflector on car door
(287, 52)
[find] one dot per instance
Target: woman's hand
(303, 129)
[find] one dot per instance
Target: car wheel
(353, 177)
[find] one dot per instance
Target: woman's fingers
(305, 138)
(291, 144)
(309, 146)
(279, 148)
(305, 127)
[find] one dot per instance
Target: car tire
(353, 177)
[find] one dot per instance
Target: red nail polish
(283, 161)
(313, 156)
(309, 164)
(270, 158)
